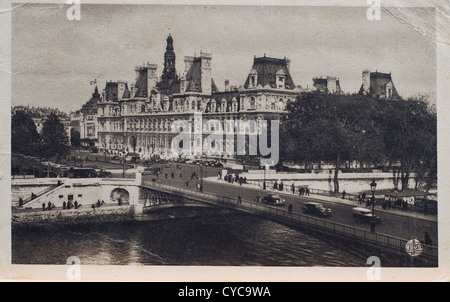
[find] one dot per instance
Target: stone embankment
(72, 216)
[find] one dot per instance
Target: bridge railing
(313, 223)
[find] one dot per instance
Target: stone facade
(139, 120)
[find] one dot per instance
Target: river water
(235, 239)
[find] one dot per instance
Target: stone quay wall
(72, 216)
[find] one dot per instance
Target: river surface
(235, 239)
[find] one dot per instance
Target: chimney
(121, 88)
(206, 72)
(152, 79)
(137, 69)
(331, 84)
(188, 63)
(227, 85)
(288, 63)
(366, 81)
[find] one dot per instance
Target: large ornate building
(138, 119)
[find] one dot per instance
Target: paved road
(393, 223)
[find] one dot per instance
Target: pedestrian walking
(239, 199)
(43, 206)
(64, 205)
(290, 208)
(343, 194)
(293, 188)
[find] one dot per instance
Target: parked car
(316, 209)
(274, 199)
(104, 174)
(365, 215)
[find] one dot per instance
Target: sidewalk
(337, 200)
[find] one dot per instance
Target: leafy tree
(54, 137)
(331, 127)
(75, 140)
(410, 138)
(24, 136)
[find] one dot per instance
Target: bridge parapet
(328, 228)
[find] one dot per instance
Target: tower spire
(169, 72)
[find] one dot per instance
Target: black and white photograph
(195, 140)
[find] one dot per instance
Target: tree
(54, 138)
(330, 127)
(410, 138)
(24, 136)
(75, 140)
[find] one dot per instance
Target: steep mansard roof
(194, 77)
(267, 70)
(378, 82)
(141, 85)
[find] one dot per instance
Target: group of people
(387, 204)
(47, 207)
(277, 186)
(302, 191)
(69, 205)
(232, 179)
(98, 204)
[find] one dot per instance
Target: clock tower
(169, 73)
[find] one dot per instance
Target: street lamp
(373, 186)
(201, 179)
(264, 183)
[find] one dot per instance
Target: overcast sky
(54, 59)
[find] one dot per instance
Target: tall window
(252, 103)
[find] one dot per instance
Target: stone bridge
(88, 191)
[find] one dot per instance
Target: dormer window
(280, 79)
(253, 78)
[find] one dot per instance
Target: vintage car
(273, 199)
(365, 215)
(316, 209)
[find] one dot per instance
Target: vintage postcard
(224, 141)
